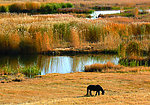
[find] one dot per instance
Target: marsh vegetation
(64, 34)
(38, 38)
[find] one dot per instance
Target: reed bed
(35, 34)
(97, 67)
(110, 67)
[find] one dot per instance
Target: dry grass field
(70, 89)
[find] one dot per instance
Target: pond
(96, 13)
(56, 64)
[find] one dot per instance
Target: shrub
(69, 5)
(48, 8)
(34, 7)
(56, 6)
(52, 7)
(3, 9)
(63, 5)
(30, 71)
(5, 70)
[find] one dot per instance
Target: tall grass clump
(136, 12)
(30, 71)
(75, 38)
(97, 67)
(91, 32)
(27, 45)
(62, 32)
(14, 41)
(47, 9)
(130, 49)
(134, 61)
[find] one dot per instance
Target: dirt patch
(122, 88)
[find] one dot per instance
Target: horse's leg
(90, 92)
(98, 92)
(87, 91)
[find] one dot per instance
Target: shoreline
(72, 52)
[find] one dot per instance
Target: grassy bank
(120, 88)
(42, 8)
(35, 34)
(8, 74)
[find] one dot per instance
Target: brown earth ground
(69, 89)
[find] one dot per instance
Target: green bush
(3, 9)
(48, 8)
(30, 71)
(33, 7)
(69, 5)
(63, 5)
(53, 7)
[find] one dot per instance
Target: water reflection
(56, 64)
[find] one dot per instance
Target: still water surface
(96, 13)
(57, 64)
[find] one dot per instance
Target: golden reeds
(44, 34)
(75, 38)
(136, 12)
(97, 67)
(14, 41)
